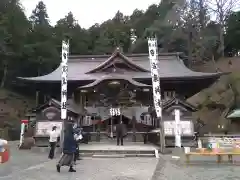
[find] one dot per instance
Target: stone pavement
(20, 159)
(25, 165)
(91, 169)
(200, 168)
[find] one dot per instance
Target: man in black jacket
(120, 132)
(78, 137)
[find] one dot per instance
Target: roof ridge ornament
(119, 49)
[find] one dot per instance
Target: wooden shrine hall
(102, 89)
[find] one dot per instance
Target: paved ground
(200, 168)
(25, 165)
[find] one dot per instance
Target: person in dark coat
(69, 148)
(120, 132)
(77, 134)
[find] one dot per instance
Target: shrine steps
(111, 150)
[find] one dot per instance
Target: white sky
(88, 12)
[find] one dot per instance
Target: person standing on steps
(53, 142)
(69, 149)
(120, 132)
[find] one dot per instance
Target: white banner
(115, 112)
(178, 128)
(153, 57)
(64, 65)
(22, 134)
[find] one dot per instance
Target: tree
(39, 15)
(111, 34)
(153, 21)
(196, 32)
(222, 9)
(79, 38)
(233, 33)
(40, 45)
(13, 29)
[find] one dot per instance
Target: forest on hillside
(30, 46)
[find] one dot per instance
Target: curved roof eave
(130, 80)
(44, 77)
(199, 75)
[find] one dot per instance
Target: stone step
(96, 155)
(117, 151)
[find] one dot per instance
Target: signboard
(185, 128)
(225, 142)
(44, 128)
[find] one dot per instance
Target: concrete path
(25, 165)
(90, 169)
(200, 168)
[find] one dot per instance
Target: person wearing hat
(53, 141)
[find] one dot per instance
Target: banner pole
(156, 88)
(64, 83)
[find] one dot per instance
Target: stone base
(28, 143)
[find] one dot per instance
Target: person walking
(69, 148)
(120, 132)
(53, 142)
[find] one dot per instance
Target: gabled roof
(178, 102)
(71, 106)
(85, 68)
(111, 60)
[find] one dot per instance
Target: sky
(87, 12)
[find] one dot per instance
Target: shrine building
(103, 89)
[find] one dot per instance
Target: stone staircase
(111, 150)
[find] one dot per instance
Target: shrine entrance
(110, 125)
(114, 100)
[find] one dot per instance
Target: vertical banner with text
(153, 57)
(64, 65)
(64, 76)
(156, 88)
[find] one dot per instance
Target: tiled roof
(71, 106)
(170, 67)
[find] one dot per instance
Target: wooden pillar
(37, 98)
(134, 128)
(45, 98)
(81, 104)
